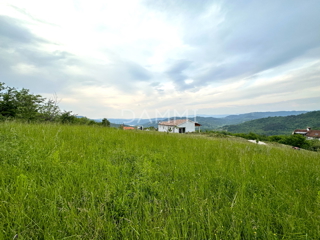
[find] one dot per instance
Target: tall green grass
(82, 182)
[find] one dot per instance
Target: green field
(82, 182)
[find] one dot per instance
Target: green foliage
(275, 138)
(8, 103)
(251, 135)
(150, 128)
(27, 104)
(210, 123)
(21, 104)
(49, 110)
(84, 182)
(105, 122)
(292, 140)
(277, 125)
(314, 145)
(68, 117)
(295, 140)
(83, 121)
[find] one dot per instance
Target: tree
(49, 110)
(19, 104)
(105, 122)
(8, 106)
(67, 117)
(28, 105)
(296, 140)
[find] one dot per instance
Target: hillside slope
(87, 182)
(277, 125)
(209, 123)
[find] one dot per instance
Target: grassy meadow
(86, 182)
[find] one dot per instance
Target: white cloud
(188, 81)
(104, 56)
(26, 69)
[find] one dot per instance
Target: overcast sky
(144, 57)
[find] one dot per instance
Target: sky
(147, 58)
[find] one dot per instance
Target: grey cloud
(160, 91)
(300, 104)
(24, 12)
(55, 77)
(179, 66)
(250, 36)
(52, 74)
(154, 84)
(20, 46)
(12, 31)
(177, 72)
(179, 7)
(122, 75)
(137, 72)
(295, 83)
(304, 104)
(261, 36)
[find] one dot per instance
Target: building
(178, 126)
(128, 128)
(308, 133)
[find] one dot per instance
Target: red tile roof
(176, 122)
(173, 122)
(301, 130)
(128, 128)
(313, 133)
(310, 133)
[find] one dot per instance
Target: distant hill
(152, 121)
(135, 121)
(277, 125)
(210, 123)
(257, 115)
(206, 122)
(111, 124)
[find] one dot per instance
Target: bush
(314, 145)
(275, 138)
(296, 141)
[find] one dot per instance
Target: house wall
(190, 127)
(162, 128)
(311, 138)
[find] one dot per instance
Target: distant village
(188, 126)
(172, 126)
(308, 133)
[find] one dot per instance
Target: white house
(308, 133)
(178, 126)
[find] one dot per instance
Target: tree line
(22, 105)
(277, 125)
(295, 140)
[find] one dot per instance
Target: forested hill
(277, 125)
(257, 115)
(210, 123)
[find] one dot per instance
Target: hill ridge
(279, 125)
